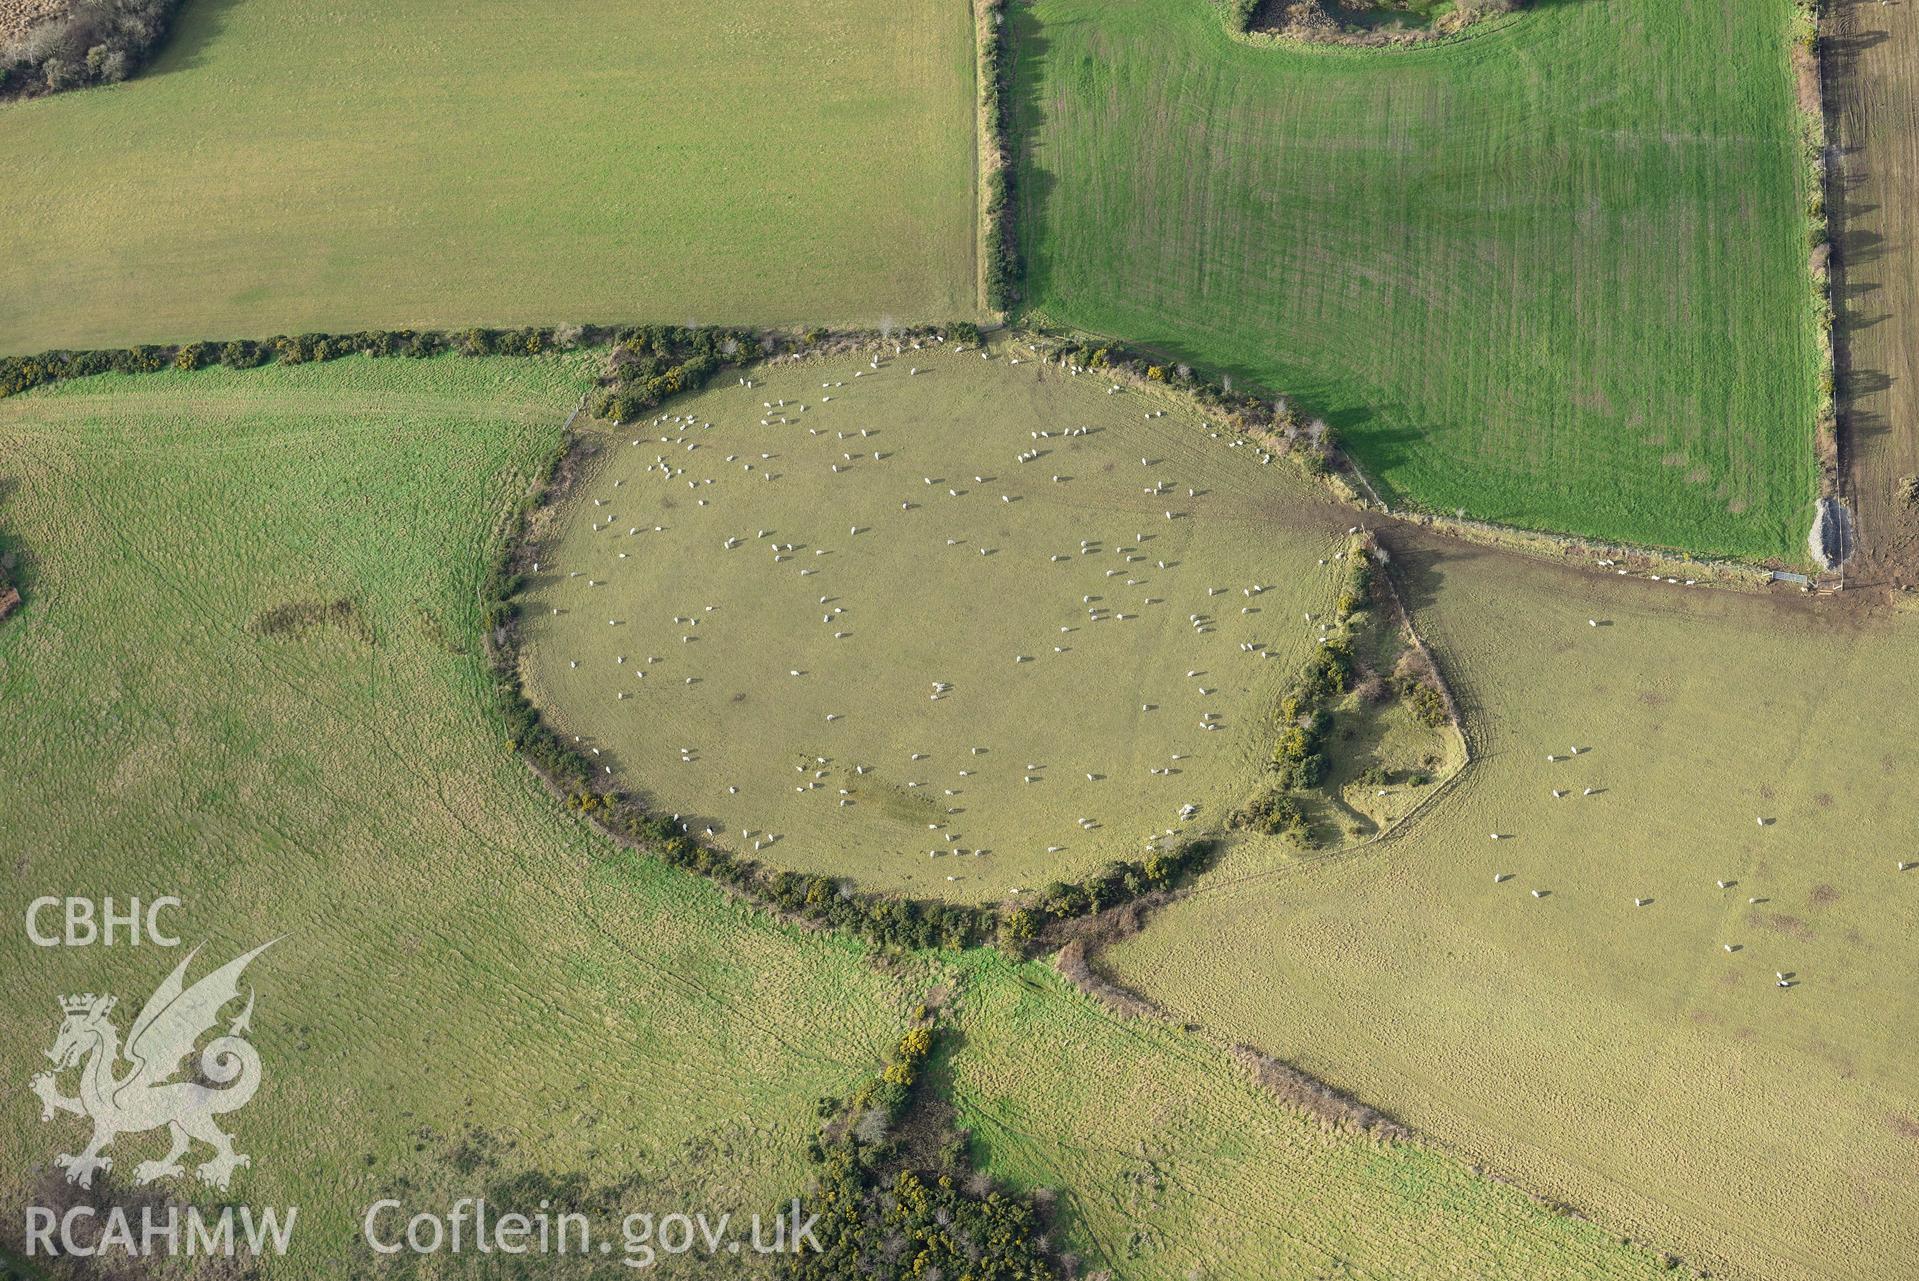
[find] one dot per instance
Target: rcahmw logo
(148, 1094)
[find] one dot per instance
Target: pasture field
(1872, 61)
(840, 592)
(470, 991)
(1552, 274)
(1175, 1165)
(1639, 1061)
(360, 165)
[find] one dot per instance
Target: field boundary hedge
(1313, 446)
(1809, 72)
(999, 244)
(646, 364)
(1302, 756)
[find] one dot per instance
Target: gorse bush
(1275, 814)
(1428, 704)
(894, 1206)
(1299, 756)
(652, 362)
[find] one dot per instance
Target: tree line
(95, 42)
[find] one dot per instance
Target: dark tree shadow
(198, 24)
(1028, 52)
(16, 565)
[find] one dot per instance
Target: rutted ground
(285, 167)
(841, 592)
(1873, 63)
(1615, 1054)
(188, 713)
(1554, 274)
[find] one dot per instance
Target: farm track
(1872, 61)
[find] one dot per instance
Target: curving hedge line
(886, 920)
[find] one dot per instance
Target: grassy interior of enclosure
(1553, 274)
(1375, 728)
(1616, 1055)
(1003, 659)
(355, 165)
(188, 713)
(1176, 1165)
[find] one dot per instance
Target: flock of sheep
(1137, 573)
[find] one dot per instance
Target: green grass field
(474, 994)
(1618, 1056)
(1175, 1165)
(457, 953)
(853, 764)
(284, 167)
(1552, 274)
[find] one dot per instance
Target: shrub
(898, 1197)
(1909, 491)
(242, 354)
(1275, 814)
(1428, 704)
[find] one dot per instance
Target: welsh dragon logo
(147, 1095)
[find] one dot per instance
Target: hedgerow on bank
(1301, 760)
(1117, 883)
(829, 901)
(647, 363)
(996, 155)
(1312, 443)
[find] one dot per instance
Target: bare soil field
(1873, 97)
